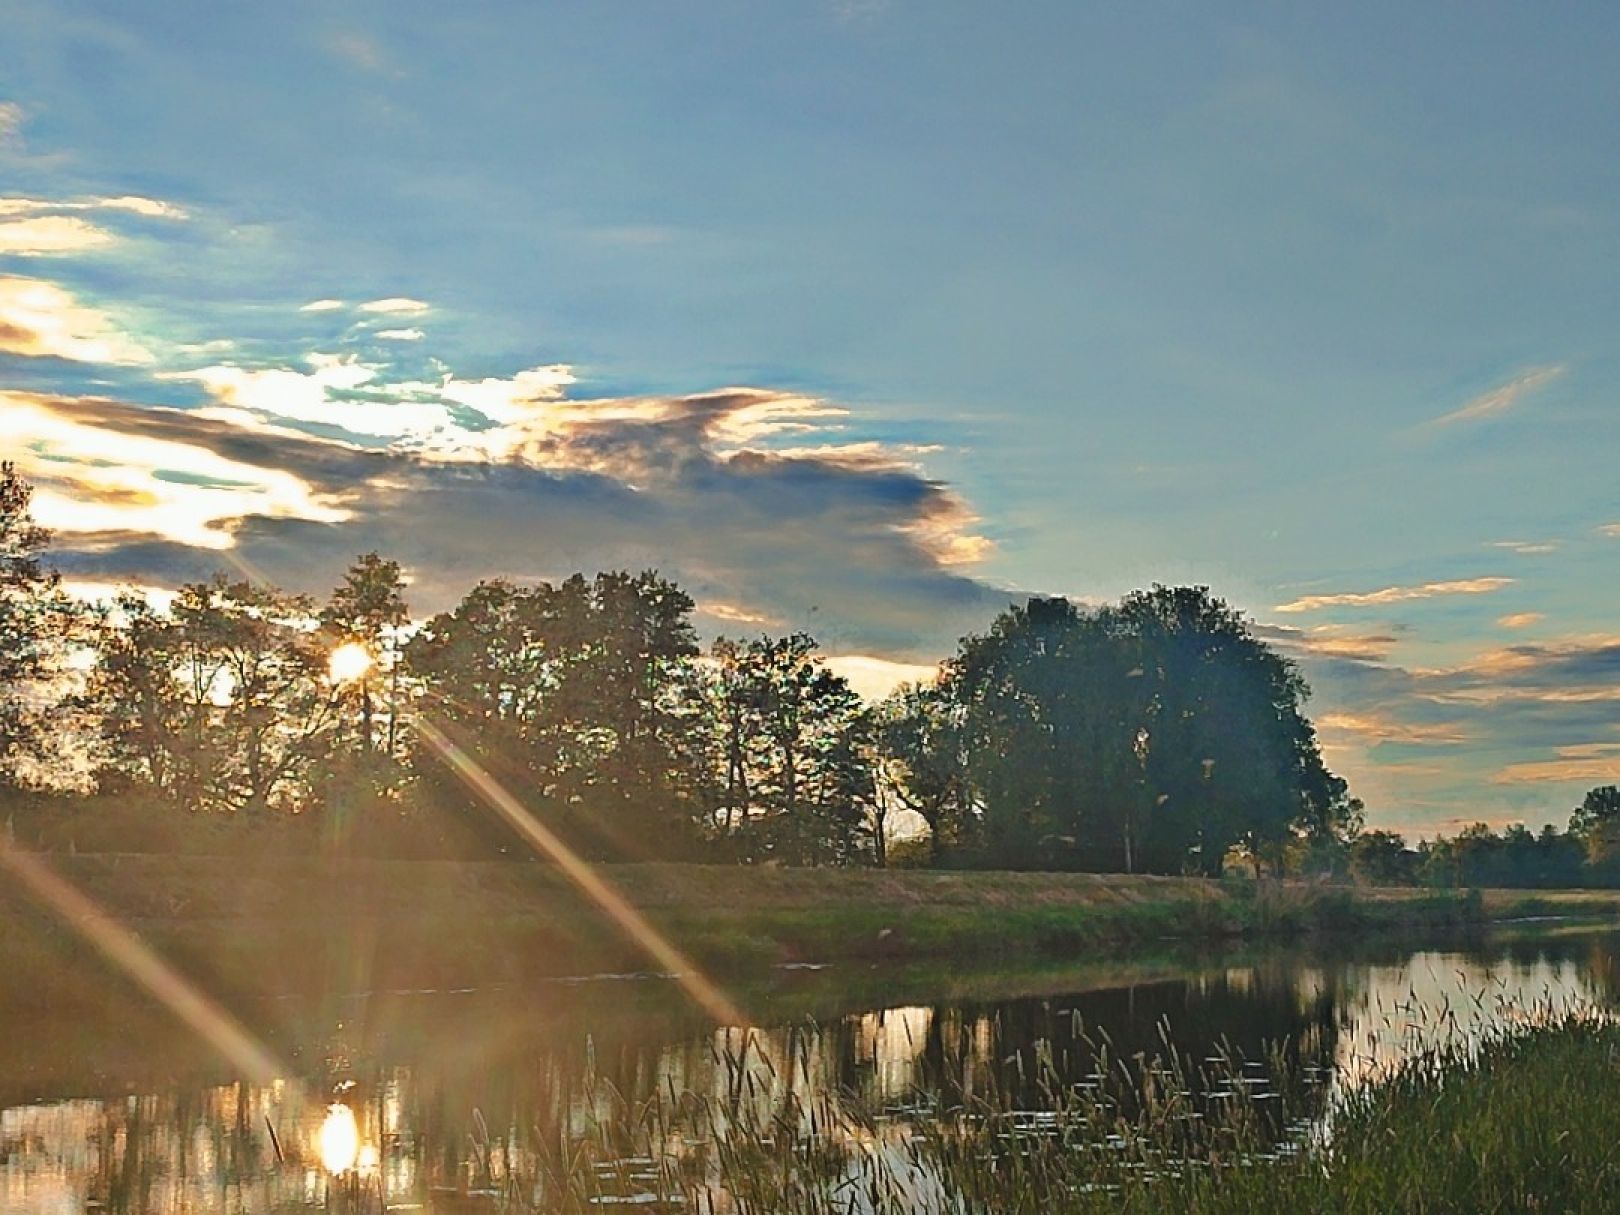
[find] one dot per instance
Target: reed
(1514, 1118)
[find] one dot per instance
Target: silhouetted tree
(146, 728)
(1155, 734)
(1382, 858)
(800, 737)
(581, 697)
(35, 625)
(1596, 824)
(367, 613)
(260, 707)
(923, 762)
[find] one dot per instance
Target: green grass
(270, 923)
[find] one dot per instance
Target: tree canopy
(1151, 735)
(1155, 734)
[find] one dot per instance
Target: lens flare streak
(625, 917)
(134, 958)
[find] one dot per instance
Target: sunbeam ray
(134, 958)
(600, 891)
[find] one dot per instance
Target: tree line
(1157, 734)
(1587, 853)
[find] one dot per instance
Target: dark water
(443, 1091)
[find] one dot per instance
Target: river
(433, 1097)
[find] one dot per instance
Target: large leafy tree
(795, 782)
(258, 706)
(1154, 734)
(579, 695)
(150, 733)
(923, 762)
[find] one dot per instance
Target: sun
(350, 661)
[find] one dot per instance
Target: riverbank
(248, 926)
(1517, 1120)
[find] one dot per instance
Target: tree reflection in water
(434, 1092)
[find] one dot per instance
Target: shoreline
(293, 924)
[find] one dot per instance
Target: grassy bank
(251, 925)
(1520, 1122)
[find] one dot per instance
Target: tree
(260, 707)
(35, 625)
(1154, 734)
(137, 699)
(581, 695)
(795, 744)
(923, 762)
(1231, 756)
(365, 618)
(1596, 823)
(1381, 858)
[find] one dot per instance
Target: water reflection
(410, 1099)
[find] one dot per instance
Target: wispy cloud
(282, 394)
(1520, 620)
(1376, 728)
(1528, 548)
(11, 123)
(735, 613)
(135, 204)
(51, 235)
(1503, 397)
(1609, 529)
(90, 479)
(1395, 594)
(400, 335)
(509, 399)
(322, 306)
(45, 227)
(396, 305)
(864, 553)
(1597, 763)
(39, 319)
(1492, 732)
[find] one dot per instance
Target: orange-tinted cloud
(39, 319)
(1395, 594)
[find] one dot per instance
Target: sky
(864, 318)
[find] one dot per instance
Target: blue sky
(859, 317)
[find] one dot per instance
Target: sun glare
(350, 661)
(339, 1140)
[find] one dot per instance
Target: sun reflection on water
(339, 1140)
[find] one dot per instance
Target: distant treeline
(1587, 854)
(1158, 734)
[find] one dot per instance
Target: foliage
(1158, 734)
(1596, 824)
(36, 626)
(367, 614)
(1478, 856)
(1381, 858)
(795, 743)
(1152, 735)
(578, 694)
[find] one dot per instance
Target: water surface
(435, 1097)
